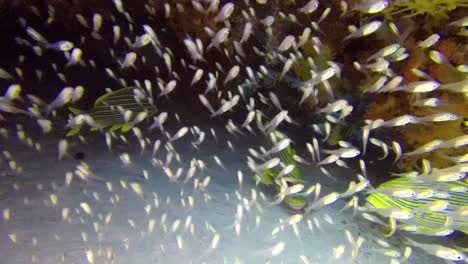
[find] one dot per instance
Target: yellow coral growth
(416, 136)
(387, 107)
(434, 8)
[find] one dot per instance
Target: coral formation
(434, 8)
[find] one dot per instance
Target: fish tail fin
(392, 226)
(126, 127)
(74, 131)
(75, 111)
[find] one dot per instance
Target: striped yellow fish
(107, 110)
(268, 177)
(425, 221)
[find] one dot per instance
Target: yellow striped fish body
(266, 177)
(294, 201)
(107, 110)
(426, 221)
(286, 156)
(269, 176)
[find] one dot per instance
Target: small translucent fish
(233, 72)
(7, 214)
(392, 84)
(213, 6)
(197, 76)
(287, 66)
(462, 22)
(5, 75)
(457, 87)
(295, 219)
(284, 143)
(116, 34)
(429, 102)
(344, 152)
(63, 45)
(77, 93)
(324, 201)
(382, 145)
(86, 208)
(136, 187)
(179, 134)
(439, 58)
(225, 12)
(288, 42)
(439, 117)
(395, 192)
(457, 159)
(428, 147)
(119, 6)
(335, 106)
(396, 213)
(226, 106)
(371, 6)
(421, 74)
(168, 61)
(304, 37)
(338, 251)
(429, 42)
(90, 256)
(36, 35)
(206, 103)
(129, 60)
(325, 14)
(218, 161)
(365, 30)
(75, 57)
(141, 41)
(435, 206)
(215, 241)
(398, 151)
(461, 68)
(248, 28)
(276, 102)
(46, 125)
(401, 121)
(267, 165)
(419, 87)
(64, 97)
(286, 191)
(170, 86)
(219, 38)
(278, 249)
(385, 51)
(439, 250)
(53, 199)
(310, 7)
(62, 149)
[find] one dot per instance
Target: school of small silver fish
(232, 68)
